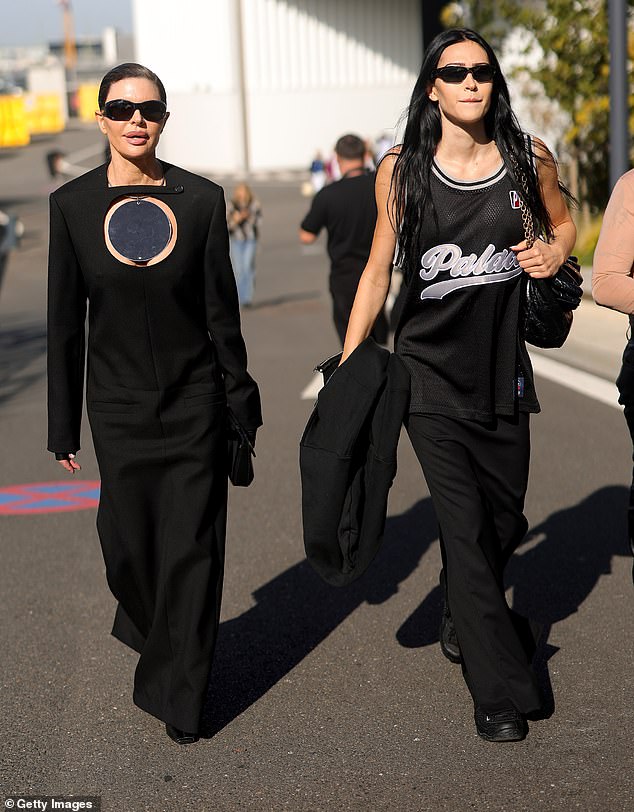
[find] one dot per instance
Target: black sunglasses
(123, 110)
(455, 74)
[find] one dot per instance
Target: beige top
(613, 265)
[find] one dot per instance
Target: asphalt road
(325, 699)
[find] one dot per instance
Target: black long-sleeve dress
(165, 358)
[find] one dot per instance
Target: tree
(481, 15)
(574, 71)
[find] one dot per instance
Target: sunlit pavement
(323, 699)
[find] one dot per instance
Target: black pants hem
(477, 475)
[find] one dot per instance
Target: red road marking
(48, 497)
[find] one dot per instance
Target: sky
(35, 22)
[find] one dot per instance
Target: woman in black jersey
(449, 203)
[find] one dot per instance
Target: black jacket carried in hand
(348, 461)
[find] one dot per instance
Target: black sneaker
(448, 637)
(507, 725)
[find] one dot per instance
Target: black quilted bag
(548, 303)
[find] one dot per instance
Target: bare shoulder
(391, 155)
(394, 151)
(539, 146)
(626, 181)
(546, 163)
(542, 152)
(385, 169)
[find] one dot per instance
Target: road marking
(312, 389)
(48, 497)
(576, 379)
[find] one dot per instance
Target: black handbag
(240, 453)
(547, 304)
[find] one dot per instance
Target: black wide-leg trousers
(477, 474)
(161, 523)
(625, 385)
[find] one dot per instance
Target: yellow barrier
(87, 102)
(44, 113)
(14, 131)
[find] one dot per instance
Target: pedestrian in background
(318, 174)
(243, 218)
(613, 286)
(146, 244)
(448, 202)
(347, 210)
(11, 231)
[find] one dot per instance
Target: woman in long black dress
(146, 244)
(450, 197)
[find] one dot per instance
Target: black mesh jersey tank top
(458, 328)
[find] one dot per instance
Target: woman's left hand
(540, 261)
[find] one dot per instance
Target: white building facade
(260, 85)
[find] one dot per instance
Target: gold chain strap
(527, 217)
(527, 222)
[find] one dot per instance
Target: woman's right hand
(70, 464)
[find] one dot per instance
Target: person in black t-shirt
(10, 231)
(347, 210)
(449, 201)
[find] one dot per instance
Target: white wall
(192, 46)
(109, 45)
(203, 132)
(189, 43)
(287, 129)
(313, 70)
(316, 69)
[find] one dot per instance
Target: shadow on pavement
(296, 611)
(20, 345)
(552, 579)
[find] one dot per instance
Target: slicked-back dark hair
(350, 147)
(128, 70)
(412, 170)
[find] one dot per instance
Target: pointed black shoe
(447, 634)
(501, 726)
(180, 736)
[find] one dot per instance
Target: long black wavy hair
(412, 169)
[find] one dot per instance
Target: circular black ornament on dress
(139, 230)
